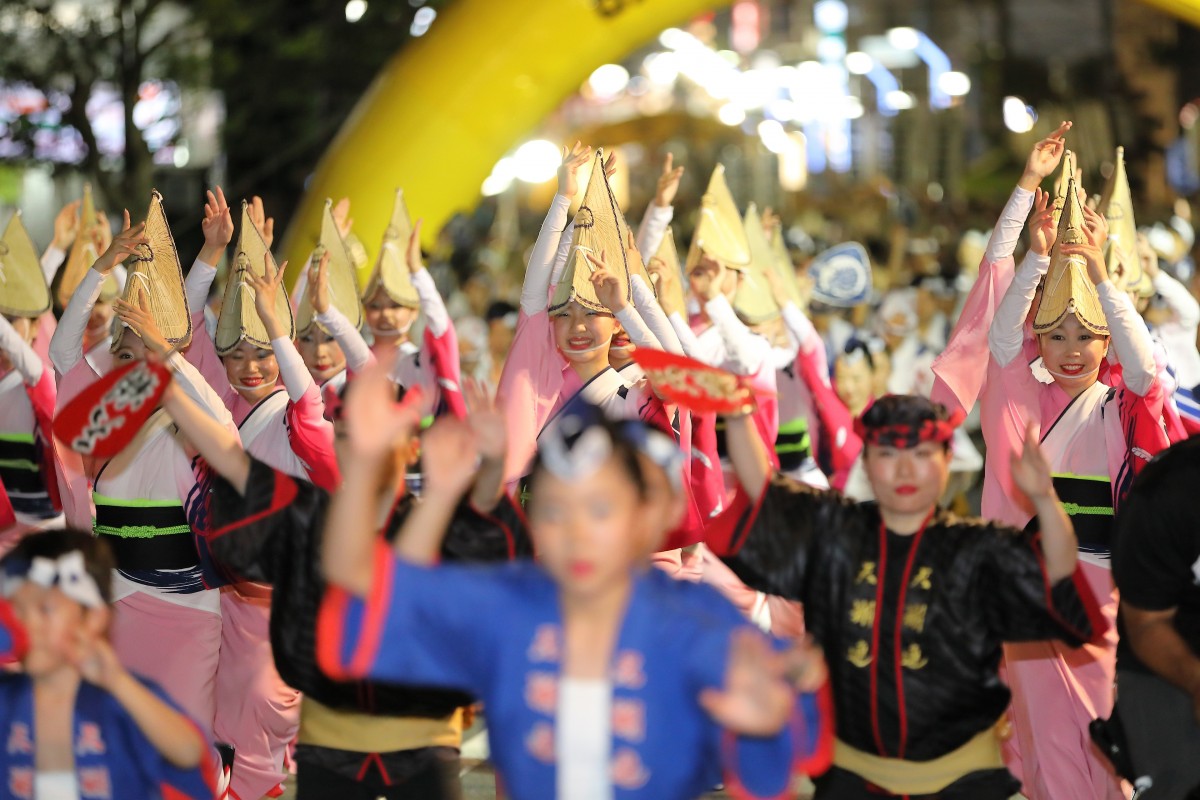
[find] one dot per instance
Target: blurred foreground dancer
(356, 740)
(602, 677)
(910, 603)
(76, 723)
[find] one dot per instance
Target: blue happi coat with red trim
(113, 759)
(912, 627)
(497, 632)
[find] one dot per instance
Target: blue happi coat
(113, 759)
(497, 633)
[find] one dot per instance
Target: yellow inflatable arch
(451, 104)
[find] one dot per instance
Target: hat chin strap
(1067, 377)
(592, 349)
(392, 333)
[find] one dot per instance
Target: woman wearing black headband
(909, 602)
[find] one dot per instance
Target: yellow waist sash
(365, 733)
(900, 776)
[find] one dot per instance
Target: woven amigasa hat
(600, 227)
(155, 271)
(343, 286)
(754, 302)
(719, 233)
(1116, 204)
(83, 253)
(23, 289)
(781, 262)
(391, 267)
(669, 256)
(1068, 289)
(1060, 185)
(239, 319)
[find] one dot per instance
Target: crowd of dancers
(695, 522)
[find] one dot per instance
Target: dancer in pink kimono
(167, 623)
(399, 290)
(29, 497)
(333, 347)
(283, 427)
(1098, 428)
(557, 355)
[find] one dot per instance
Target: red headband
(905, 436)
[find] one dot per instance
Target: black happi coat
(911, 626)
(273, 535)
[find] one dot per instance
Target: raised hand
(1042, 230)
(1045, 157)
(266, 289)
(124, 244)
(318, 283)
(771, 221)
(1095, 227)
(668, 182)
(415, 264)
(568, 171)
(265, 224)
(103, 232)
(778, 290)
(66, 225)
(707, 278)
(95, 658)
(486, 419)
(341, 217)
(449, 451)
(1030, 469)
(139, 319)
(757, 698)
(608, 288)
(375, 424)
(1147, 256)
(665, 281)
(804, 665)
(610, 165)
(218, 222)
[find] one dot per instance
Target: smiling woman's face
(251, 371)
(583, 335)
(1072, 354)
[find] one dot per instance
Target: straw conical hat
(239, 319)
(1116, 204)
(669, 257)
(83, 251)
(1068, 289)
(754, 302)
(23, 289)
(599, 227)
(391, 267)
(719, 233)
(343, 287)
(781, 262)
(1060, 185)
(154, 270)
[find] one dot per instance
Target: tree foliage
(74, 47)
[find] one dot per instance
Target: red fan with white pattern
(102, 419)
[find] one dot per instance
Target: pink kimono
(29, 468)
(257, 712)
(1104, 434)
(537, 379)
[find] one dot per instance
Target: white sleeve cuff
(296, 377)
(437, 319)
